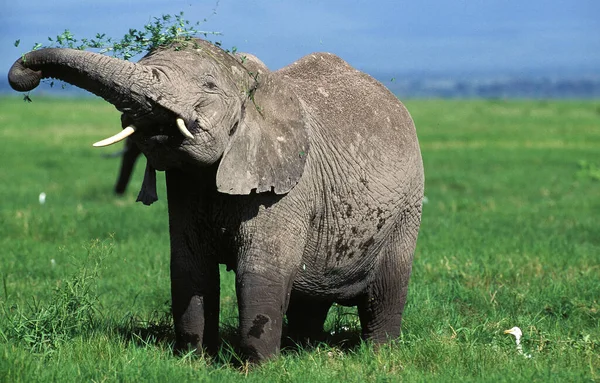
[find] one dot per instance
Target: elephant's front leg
(194, 266)
(195, 303)
(262, 301)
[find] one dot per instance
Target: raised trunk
(128, 86)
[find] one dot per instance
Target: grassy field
(510, 237)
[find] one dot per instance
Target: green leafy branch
(163, 30)
(250, 92)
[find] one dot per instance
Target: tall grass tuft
(72, 310)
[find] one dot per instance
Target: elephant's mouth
(167, 140)
(163, 147)
(162, 136)
(160, 139)
(156, 134)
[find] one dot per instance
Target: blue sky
(391, 37)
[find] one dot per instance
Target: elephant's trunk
(122, 83)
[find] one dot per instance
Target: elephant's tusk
(183, 129)
(123, 134)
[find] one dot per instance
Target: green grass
(510, 237)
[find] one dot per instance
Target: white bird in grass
(517, 333)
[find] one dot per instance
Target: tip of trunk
(23, 79)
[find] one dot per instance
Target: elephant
(129, 156)
(306, 181)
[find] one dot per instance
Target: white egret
(517, 333)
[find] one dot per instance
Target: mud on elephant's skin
(306, 181)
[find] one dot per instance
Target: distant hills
(585, 87)
(438, 86)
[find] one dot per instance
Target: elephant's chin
(161, 161)
(164, 152)
(163, 139)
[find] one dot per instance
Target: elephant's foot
(261, 336)
(196, 327)
(189, 324)
(382, 327)
(185, 343)
(195, 315)
(380, 314)
(380, 311)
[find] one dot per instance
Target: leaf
(26, 98)
(160, 31)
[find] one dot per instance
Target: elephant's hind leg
(305, 318)
(380, 309)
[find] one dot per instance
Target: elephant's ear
(269, 149)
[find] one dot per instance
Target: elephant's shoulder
(316, 65)
(344, 99)
(331, 77)
(330, 84)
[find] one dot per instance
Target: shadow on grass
(157, 331)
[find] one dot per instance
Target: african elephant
(129, 156)
(306, 181)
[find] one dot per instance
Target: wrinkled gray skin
(131, 152)
(306, 181)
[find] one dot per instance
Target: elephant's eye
(210, 84)
(233, 128)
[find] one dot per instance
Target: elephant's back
(352, 109)
(356, 122)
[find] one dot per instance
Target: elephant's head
(191, 105)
